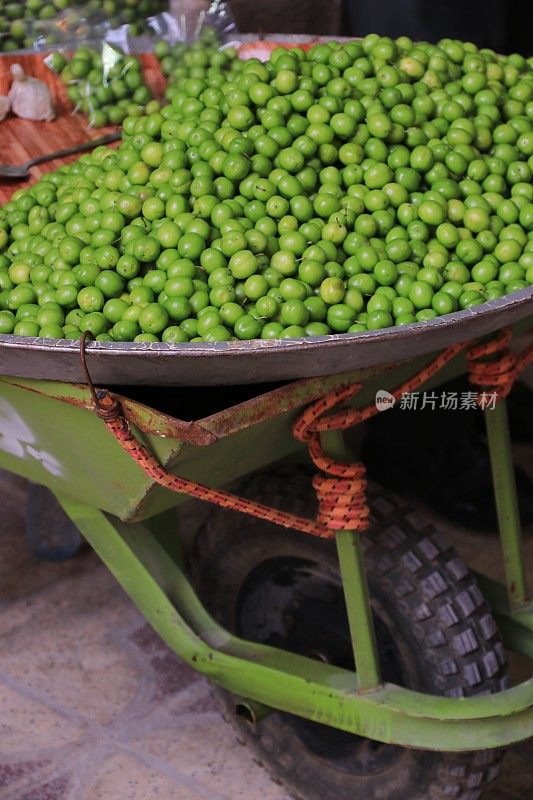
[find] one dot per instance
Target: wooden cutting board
(21, 139)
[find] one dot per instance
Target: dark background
(497, 24)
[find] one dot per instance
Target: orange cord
(342, 495)
(341, 490)
(494, 367)
(110, 412)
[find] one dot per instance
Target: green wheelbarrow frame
(49, 434)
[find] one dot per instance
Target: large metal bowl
(235, 363)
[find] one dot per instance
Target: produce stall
(215, 301)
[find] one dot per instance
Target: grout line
(175, 774)
(43, 699)
(102, 733)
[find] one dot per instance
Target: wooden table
(21, 140)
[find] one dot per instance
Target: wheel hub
(299, 606)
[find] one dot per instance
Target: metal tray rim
(523, 298)
(257, 361)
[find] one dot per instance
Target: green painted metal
(67, 448)
(499, 602)
(251, 712)
(354, 583)
(516, 638)
(506, 501)
(286, 681)
(516, 626)
(49, 434)
(355, 588)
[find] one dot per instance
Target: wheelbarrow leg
(503, 478)
(358, 608)
(355, 586)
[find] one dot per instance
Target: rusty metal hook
(105, 406)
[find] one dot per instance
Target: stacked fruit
(106, 89)
(22, 23)
(345, 189)
(181, 59)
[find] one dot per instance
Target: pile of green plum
(348, 188)
(19, 22)
(106, 92)
(182, 60)
(122, 12)
(22, 22)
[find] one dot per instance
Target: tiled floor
(93, 706)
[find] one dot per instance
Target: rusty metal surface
(231, 363)
(146, 419)
(280, 401)
(242, 413)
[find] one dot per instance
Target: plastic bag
(103, 83)
(188, 18)
(183, 23)
(30, 98)
(196, 30)
(63, 22)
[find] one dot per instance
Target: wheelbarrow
(353, 648)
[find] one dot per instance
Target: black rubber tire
(423, 593)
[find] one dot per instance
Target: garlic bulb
(30, 98)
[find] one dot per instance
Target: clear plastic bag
(186, 20)
(183, 24)
(36, 25)
(104, 83)
(195, 31)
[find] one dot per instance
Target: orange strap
(341, 491)
(494, 367)
(341, 495)
(121, 430)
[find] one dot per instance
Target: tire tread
(431, 585)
